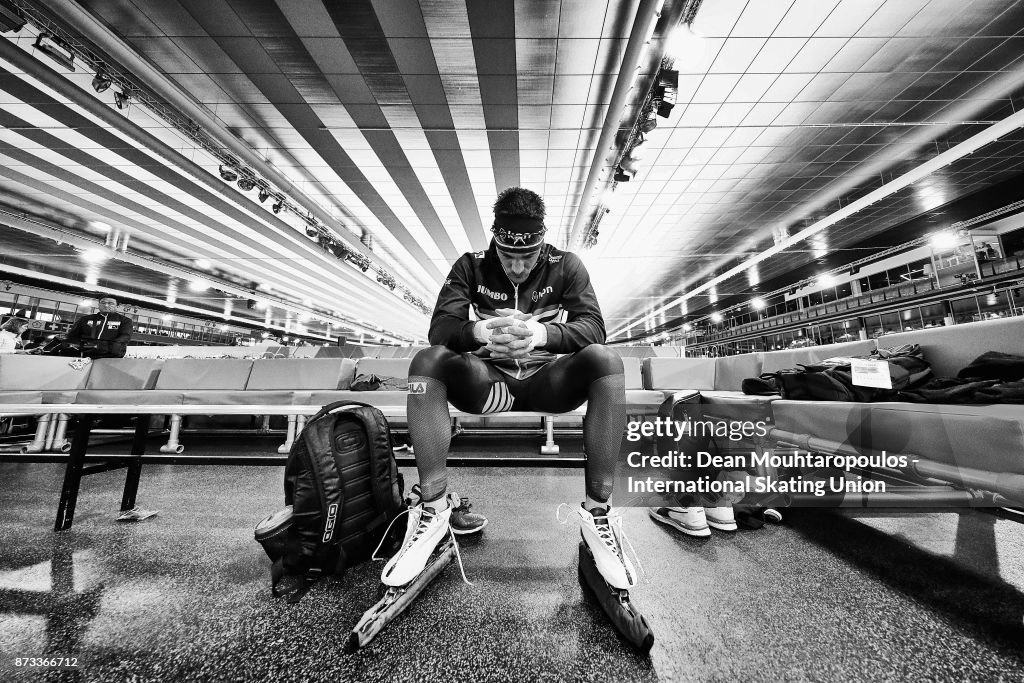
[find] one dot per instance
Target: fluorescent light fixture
(944, 240)
(95, 255)
(56, 49)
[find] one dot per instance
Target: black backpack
(342, 489)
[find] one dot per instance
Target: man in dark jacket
(531, 301)
(104, 334)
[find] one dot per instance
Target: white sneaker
(691, 521)
(602, 532)
(721, 518)
(424, 531)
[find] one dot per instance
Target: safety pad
(374, 398)
(644, 397)
(983, 437)
(212, 397)
(124, 373)
(301, 373)
(9, 397)
(950, 349)
(631, 367)
(735, 405)
(730, 371)
(675, 374)
(43, 373)
(141, 397)
(780, 360)
(226, 374)
(384, 367)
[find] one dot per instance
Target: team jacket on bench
(558, 293)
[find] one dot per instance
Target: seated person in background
(10, 334)
(104, 334)
(532, 301)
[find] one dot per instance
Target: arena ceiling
(383, 129)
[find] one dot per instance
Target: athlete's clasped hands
(511, 335)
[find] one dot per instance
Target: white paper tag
(871, 373)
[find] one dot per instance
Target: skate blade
(615, 603)
(397, 598)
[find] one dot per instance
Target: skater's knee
(600, 361)
(432, 361)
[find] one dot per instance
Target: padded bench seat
(985, 437)
(55, 379)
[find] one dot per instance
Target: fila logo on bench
(417, 387)
(332, 516)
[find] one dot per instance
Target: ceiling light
(101, 81)
(264, 195)
(758, 303)
(245, 183)
(278, 205)
(198, 286)
(621, 176)
(944, 240)
(826, 280)
(687, 327)
(95, 255)
(121, 99)
(228, 174)
(56, 49)
(203, 263)
(665, 91)
(716, 317)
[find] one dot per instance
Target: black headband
(518, 233)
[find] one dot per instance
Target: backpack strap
(318, 438)
(383, 470)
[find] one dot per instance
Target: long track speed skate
(397, 598)
(615, 603)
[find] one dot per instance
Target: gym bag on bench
(342, 490)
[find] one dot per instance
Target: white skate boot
(425, 530)
(602, 532)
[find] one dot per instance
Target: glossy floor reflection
(185, 595)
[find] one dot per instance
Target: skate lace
(604, 532)
(421, 527)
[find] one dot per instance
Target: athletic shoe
(426, 528)
(463, 521)
(721, 518)
(691, 521)
(602, 532)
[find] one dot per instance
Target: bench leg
(289, 435)
(39, 442)
(264, 424)
(73, 474)
(549, 447)
(172, 445)
(60, 440)
(131, 481)
(51, 430)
